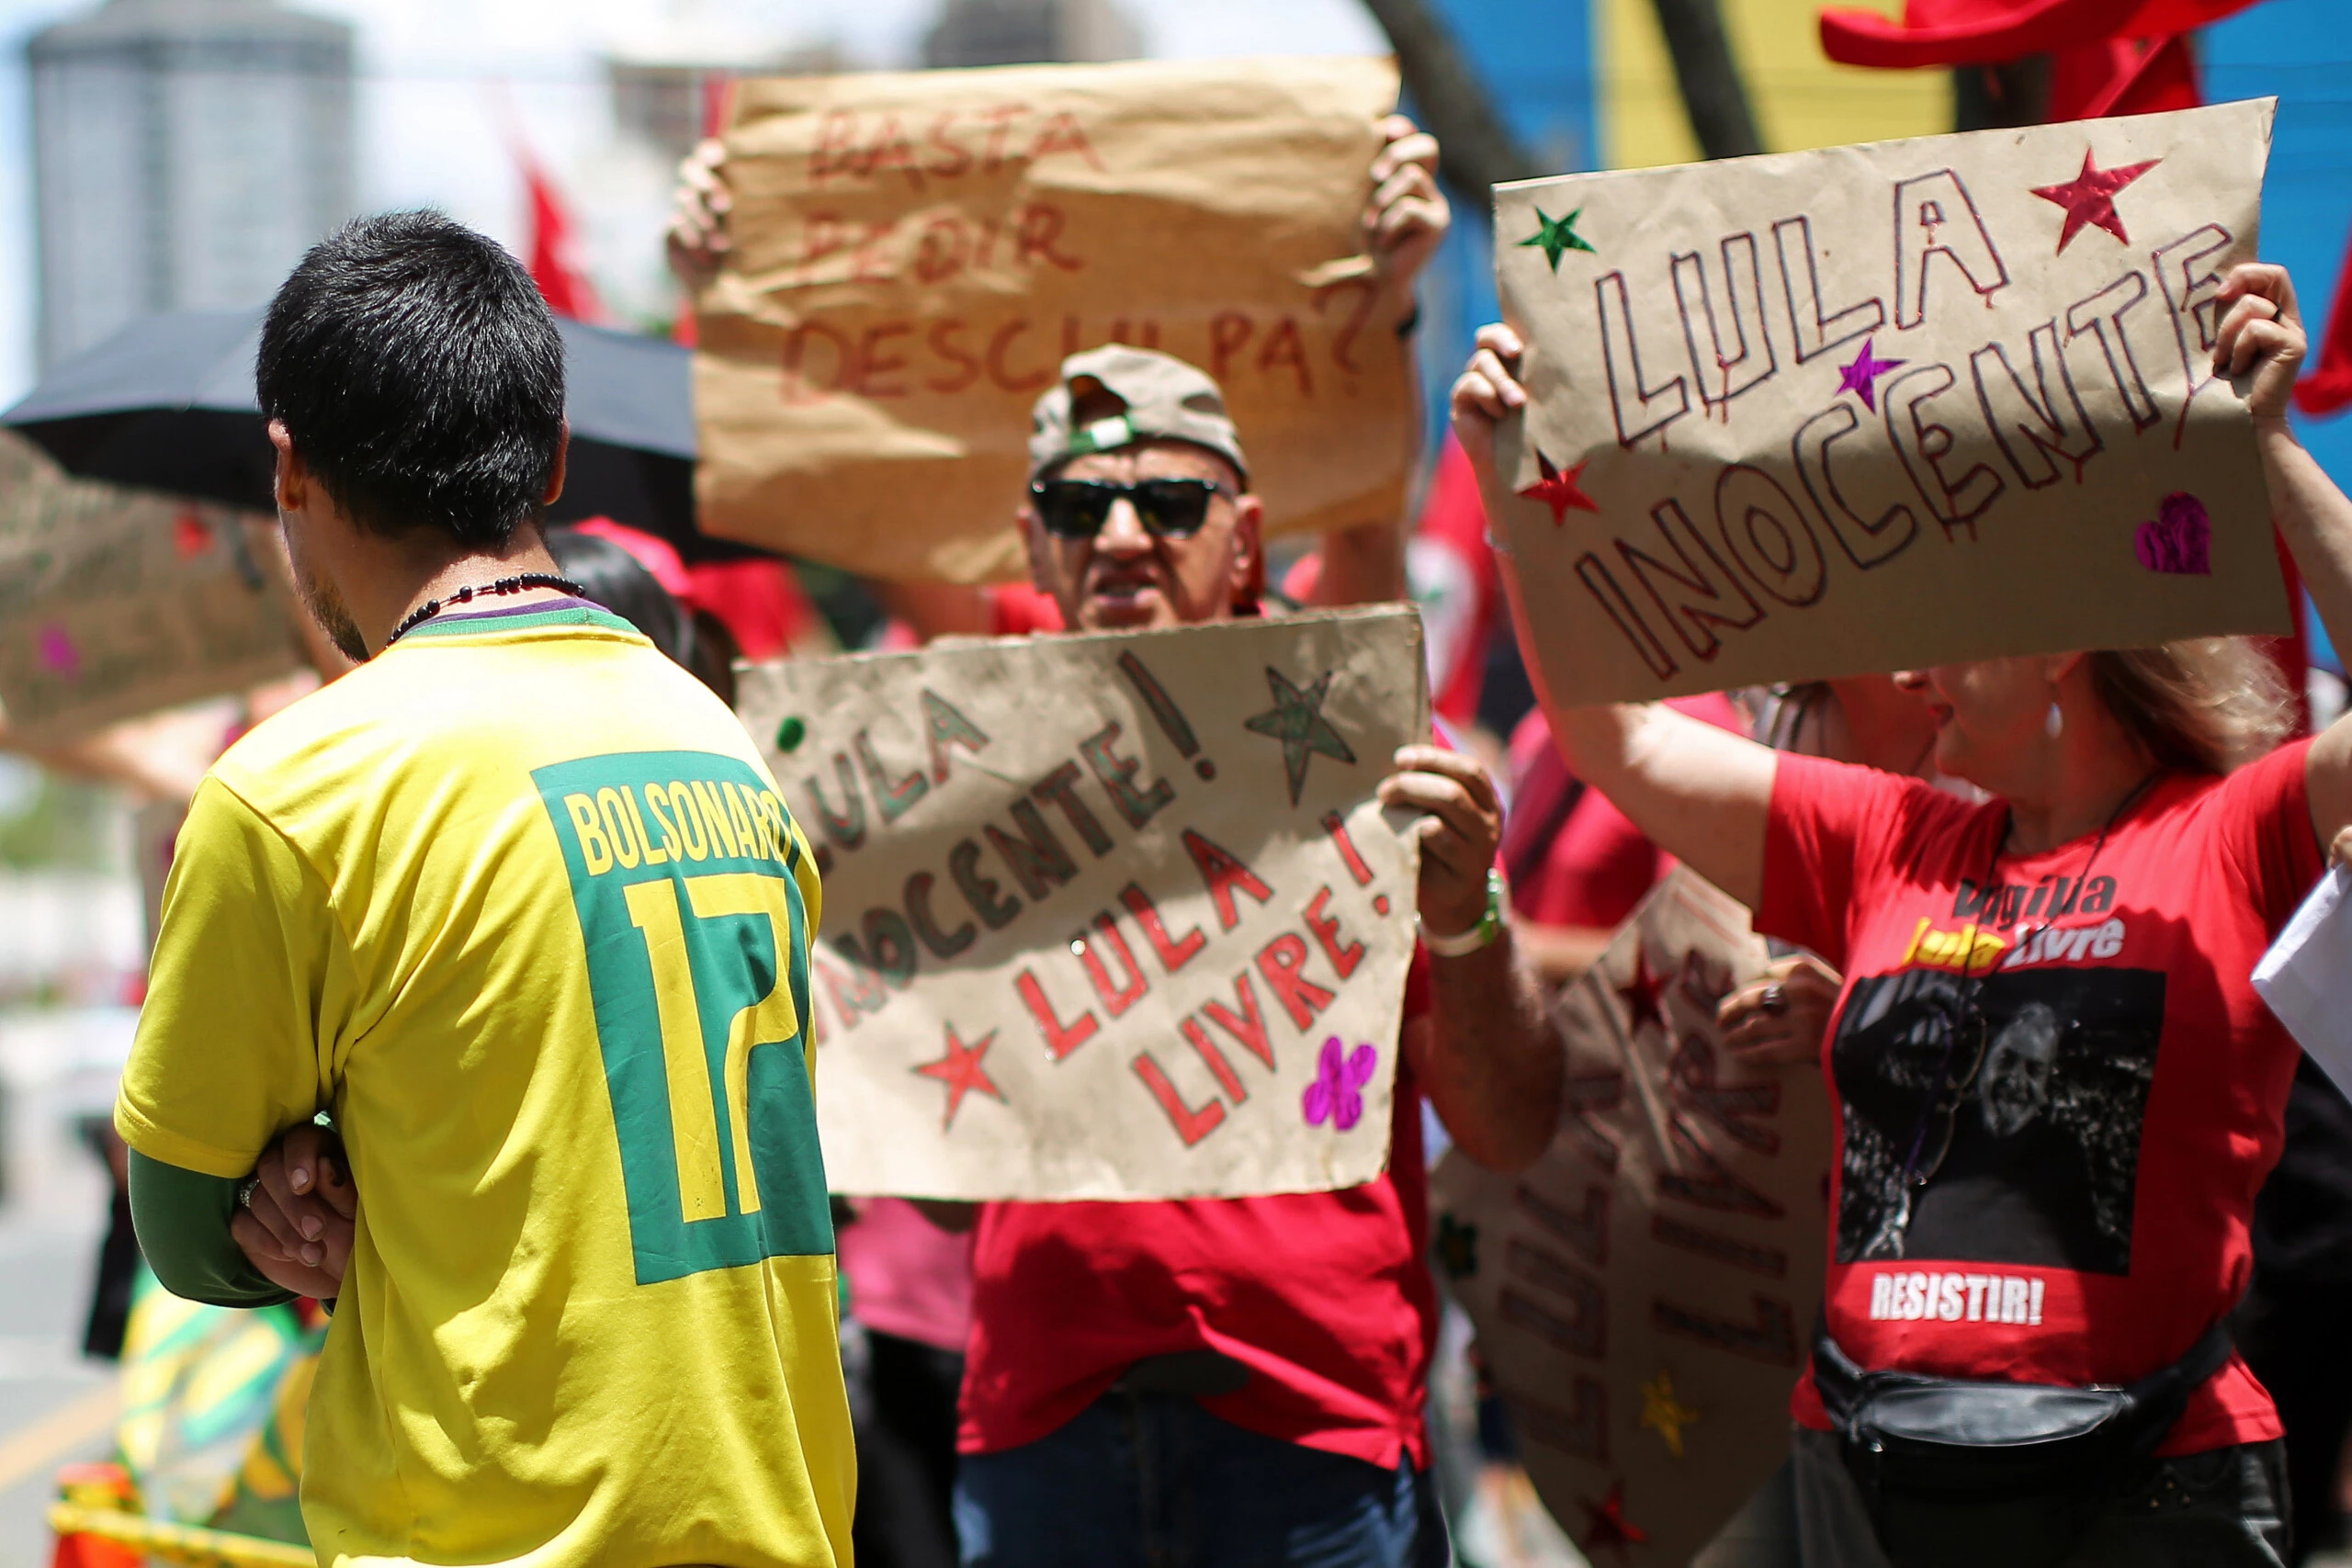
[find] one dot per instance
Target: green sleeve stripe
(182, 1218)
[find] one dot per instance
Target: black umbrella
(167, 404)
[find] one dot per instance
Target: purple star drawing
(1865, 370)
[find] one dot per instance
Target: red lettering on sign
(1175, 953)
(1224, 872)
(870, 264)
(1283, 346)
(1249, 1030)
(1283, 962)
(959, 159)
(998, 120)
(1063, 134)
(1038, 225)
(1005, 379)
(1116, 998)
(891, 150)
(1343, 345)
(1337, 829)
(939, 250)
(862, 993)
(836, 147)
(825, 234)
(799, 386)
(872, 364)
(1344, 958)
(1060, 1038)
(1228, 330)
(1219, 1068)
(1190, 1125)
(944, 343)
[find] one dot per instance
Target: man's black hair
(418, 372)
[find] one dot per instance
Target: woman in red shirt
(2059, 1091)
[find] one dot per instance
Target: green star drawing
(1297, 721)
(1556, 236)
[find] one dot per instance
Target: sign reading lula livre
(116, 602)
(1820, 413)
(915, 254)
(1106, 916)
(1644, 1294)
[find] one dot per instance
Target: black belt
(1196, 1374)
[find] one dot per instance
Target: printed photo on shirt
(2020, 1098)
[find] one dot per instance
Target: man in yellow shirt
(518, 903)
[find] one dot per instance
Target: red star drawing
(961, 1071)
(1559, 490)
(191, 534)
(1641, 995)
(2089, 197)
(1606, 1524)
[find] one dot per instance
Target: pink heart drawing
(58, 652)
(2179, 542)
(1337, 1094)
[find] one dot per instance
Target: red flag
(2329, 386)
(554, 260)
(1987, 32)
(2121, 76)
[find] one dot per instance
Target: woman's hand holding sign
(698, 240)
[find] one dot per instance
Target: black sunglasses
(1169, 509)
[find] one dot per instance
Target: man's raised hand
(1406, 216)
(1459, 837)
(698, 241)
(294, 1221)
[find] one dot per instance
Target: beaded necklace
(520, 583)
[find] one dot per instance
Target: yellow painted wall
(1800, 98)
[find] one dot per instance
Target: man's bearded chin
(327, 608)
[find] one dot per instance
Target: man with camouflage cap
(1133, 424)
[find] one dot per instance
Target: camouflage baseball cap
(1163, 397)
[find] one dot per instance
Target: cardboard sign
(915, 254)
(1645, 1294)
(115, 603)
(1824, 413)
(1106, 916)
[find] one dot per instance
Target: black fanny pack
(1951, 1470)
(1954, 1437)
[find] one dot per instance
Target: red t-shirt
(2088, 1217)
(1598, 865)
(1325, 1297)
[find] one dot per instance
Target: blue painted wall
(2300, 50)
(1537, 61)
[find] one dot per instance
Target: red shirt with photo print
(2058, 1090)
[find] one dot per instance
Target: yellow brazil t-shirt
(518, 901)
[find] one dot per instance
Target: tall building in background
(185, 153)
(1021, 33)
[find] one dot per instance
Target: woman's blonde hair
(2201, 704)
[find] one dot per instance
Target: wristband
(1482, 935)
